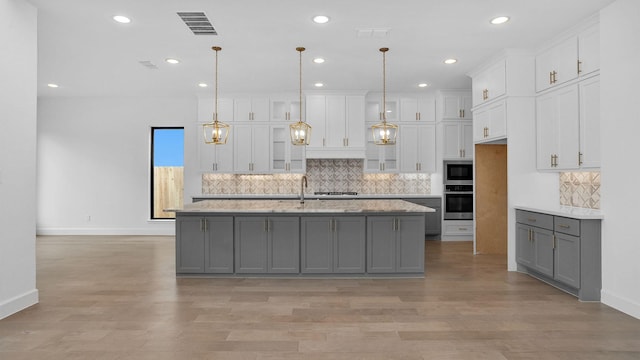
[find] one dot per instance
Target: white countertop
(309, 206)
(566, 211)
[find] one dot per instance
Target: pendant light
(384, 133)
(216, 132)
(300, 132)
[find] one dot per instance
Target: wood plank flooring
(111, 298)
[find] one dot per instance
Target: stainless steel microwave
(458, 172)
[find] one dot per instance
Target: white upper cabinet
(374, 109)
(589, 50)
(456, 105)
(490, 122)
(417, 148)
(206, 109)
(589, 91)
(457, 139)
(285, 109)
(338, 126)
(489, 84)
(380, 158)
(285, 157)
(557, 129)
(577, 55)
(251, 145)
(214, 158)
(251, 109)
(557, 64)
(418, 109)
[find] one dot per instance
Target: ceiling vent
(372, 33)
(198, 23)
(148, 64)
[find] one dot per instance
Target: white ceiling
(88, 54)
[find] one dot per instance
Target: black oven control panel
(458, 188)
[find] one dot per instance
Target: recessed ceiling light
(122, 19)
(203, 85)
(499, 20)
(450, 61)
(320, 19)
(52, 85)
(423, 85)
(318, 84)
(318, 60)
(172, 61)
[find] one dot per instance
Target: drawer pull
(531, 219)
(462, 229)
(564, 226)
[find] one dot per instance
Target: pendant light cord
(384, 84)
(300, 50)
(215, 104)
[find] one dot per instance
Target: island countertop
(357, 206)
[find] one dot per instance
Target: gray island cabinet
(287, 238)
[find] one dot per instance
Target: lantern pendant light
(300, 132)
(384, 133)
(216, 132)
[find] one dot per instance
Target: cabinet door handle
(323, 142)
(266, 225)
(202, 225)
(553, 239)
(529, 234)
(579, 67)
(550, 77)
(579, 158)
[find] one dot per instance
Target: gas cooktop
(335, 193)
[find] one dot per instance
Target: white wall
(93, 161)
(620, 81)
(18, 70)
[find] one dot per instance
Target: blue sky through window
(168, 147)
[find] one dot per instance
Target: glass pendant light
(301, 131)
(384, 133)
(216, 132)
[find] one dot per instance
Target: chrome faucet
(303, 184)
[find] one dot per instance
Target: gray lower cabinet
(333, 244)
(395, 244)
(562, 251)
(267, 244)
(432, 220)
(204, 244)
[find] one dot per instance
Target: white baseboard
(620, 303)
(18, 303)
(105, 231)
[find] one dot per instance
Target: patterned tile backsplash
(580, 189)
(323, 175)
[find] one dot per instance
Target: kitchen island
(328, 238)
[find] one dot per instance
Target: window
(167, 170)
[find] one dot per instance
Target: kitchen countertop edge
(566, 211)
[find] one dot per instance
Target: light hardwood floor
(118, 298)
